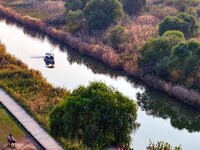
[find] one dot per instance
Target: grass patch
(7, 126)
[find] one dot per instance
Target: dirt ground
(27, 143)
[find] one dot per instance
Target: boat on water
(49, 59)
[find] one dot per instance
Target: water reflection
(31, 32)
(73, 56)
(181, 116)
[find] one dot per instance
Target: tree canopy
(75, 5)
(96, 115)
(172, 58)
(183, 22)
(155, 52)
(133, 6)
(99, 14)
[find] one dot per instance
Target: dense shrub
(155, 52)
(75, 20)
(133, 6)
(184, 64)
(183, 22)
(118, 38)
(75, 5)
(99, 14)
(172, 59)
(96, 115)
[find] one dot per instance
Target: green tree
(99, 14)
(96, 115)
(75, 20)
(133, 6)
(75, 5)
(183, 22)
(185, 59)
(155, 52)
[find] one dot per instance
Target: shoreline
(106, 55)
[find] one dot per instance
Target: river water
(160, 117)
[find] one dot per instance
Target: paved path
(29, 123)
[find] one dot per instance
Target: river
(160, 117)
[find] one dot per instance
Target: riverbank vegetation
(162, 146)
(107, 113)
(96, 115)
(28, 87)
(168, 61)
(118, 42)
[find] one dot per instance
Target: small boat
(49, 59)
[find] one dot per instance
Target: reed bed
(141, 28)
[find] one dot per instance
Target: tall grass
(28, 87)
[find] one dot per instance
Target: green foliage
(118, 37)
(99, 14)
(74, 20)
(133, 6)
(185, 59)
(8, 125)
(75, 5)
(56, 121)
(96, 115)
(183, 22)
(162, 146)
(172, 59)
(155, 51)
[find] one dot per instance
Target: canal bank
(161, 117)
(188, 96)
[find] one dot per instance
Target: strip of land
(106, 55)
(29, 123)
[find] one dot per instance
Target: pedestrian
(11, 140)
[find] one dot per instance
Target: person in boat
(11, 140)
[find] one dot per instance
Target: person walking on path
(11, 139)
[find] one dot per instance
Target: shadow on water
(73, 56)
(153, 102)
(31, 32)
(159, 105)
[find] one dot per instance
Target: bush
(99, 14)
(133, 6)
(162, 146)
(183, 22)
(155, 50)
(75, 5)
(75, 20)
(96, 115)
(118, 37)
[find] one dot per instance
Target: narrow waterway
(161, 117)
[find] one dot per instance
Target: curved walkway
(40, 135)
